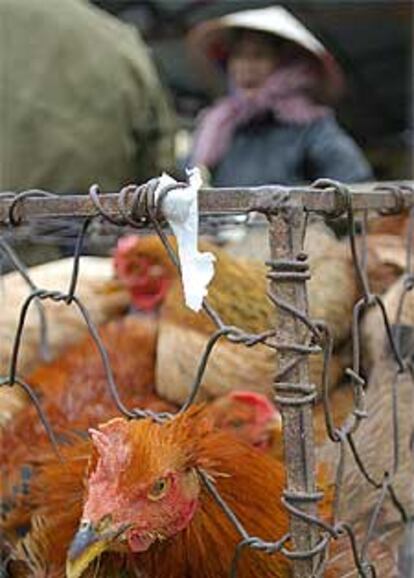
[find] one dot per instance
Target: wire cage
(312, 540)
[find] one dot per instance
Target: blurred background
(372, 40)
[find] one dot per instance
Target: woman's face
(253, 58)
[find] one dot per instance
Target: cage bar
(293, 393)
(372, 196)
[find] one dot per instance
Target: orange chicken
(134, 500)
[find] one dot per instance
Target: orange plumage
(104, 297)
(142, 282)
(74, 387)
(161, 520)
(74, 390)
(238, 294)
(75, 395)
(179, 448)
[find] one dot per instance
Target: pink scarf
(285, 94)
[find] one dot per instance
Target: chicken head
(250, 416)
(145, 268)
(142, 488)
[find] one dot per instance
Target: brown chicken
(161, 468)
(251, 417)
(75, 395)
(255, 420)
(387, 250)
(161, 471)
(396, 225)
(373, 328)
(137, 497)
(145, 277)
(238, 294)
(103, 294)
(104, 298)
(374, 441)
(376, 435)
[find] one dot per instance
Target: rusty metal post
(293, 393)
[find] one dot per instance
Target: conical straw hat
(207, 40)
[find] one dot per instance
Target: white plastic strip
(180, 208)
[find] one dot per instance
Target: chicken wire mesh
(294, 338)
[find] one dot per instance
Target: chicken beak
(86, 546)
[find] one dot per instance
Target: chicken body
(197, 538)
(374, 442)
(75, 394)
(104, 298)
(387, 382)
(147, 278)
(63, 513)
(136, 495)
(238, 294)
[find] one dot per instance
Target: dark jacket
(268, 152)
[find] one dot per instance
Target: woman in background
(275, 125)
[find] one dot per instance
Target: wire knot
(342, 196)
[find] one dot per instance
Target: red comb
(260, 401)
(126, 243)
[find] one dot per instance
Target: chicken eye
(236, 423)
(105, 523)
(159, 488)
